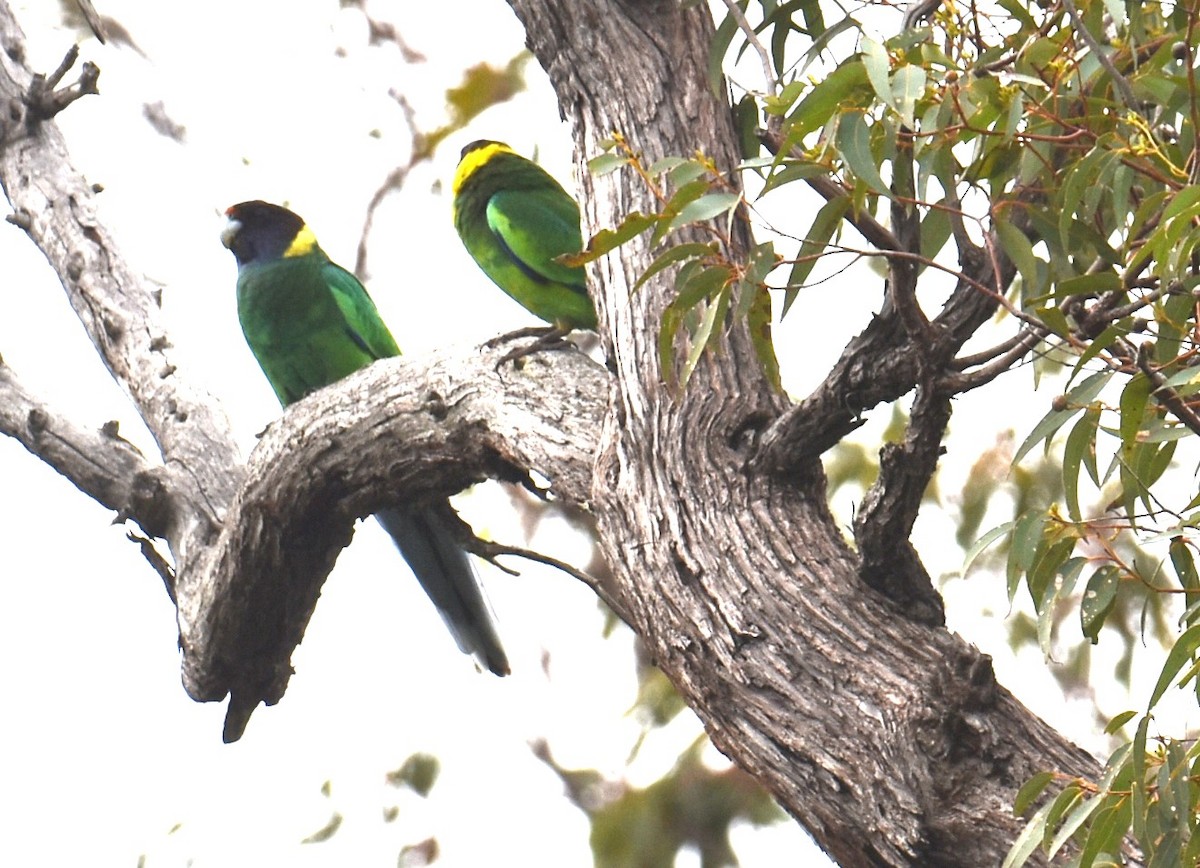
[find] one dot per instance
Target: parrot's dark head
(257, 232)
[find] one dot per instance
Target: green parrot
(309, 322)
(514, 219)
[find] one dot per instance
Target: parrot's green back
(309, 322)
(516, 220)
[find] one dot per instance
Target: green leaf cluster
(1147, 794)
(712, 289)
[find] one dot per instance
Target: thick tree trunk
(888, 740)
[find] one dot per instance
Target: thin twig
(1164, 394)
(1193, 100)
(393, 183)
(743, 24)
(991, 293)
(157, 562)
(958, 383)
(1124, 90)
(984, 356)
(489, 550)
(1116, 313)
(867, 226)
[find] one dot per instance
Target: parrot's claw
(548, 339)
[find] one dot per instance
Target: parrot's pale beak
(232, 228)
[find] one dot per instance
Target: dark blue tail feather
(445, 572)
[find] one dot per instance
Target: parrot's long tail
(445, 572)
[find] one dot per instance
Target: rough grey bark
(399, 432)
(888, 739)
(55, 205)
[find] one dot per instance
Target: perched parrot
(309, 322)
(514, 219)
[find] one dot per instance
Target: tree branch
(752, 39)
(1011, 352)
(239, 563)
(44, 97)
(886, 515)
(1124, 89)
(56, 207)
(401, 433)
(100, 463)
(1163, 393)
(906, 224)
(882, 364)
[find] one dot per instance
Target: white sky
(103, 754)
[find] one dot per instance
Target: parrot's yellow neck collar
(302, 245)
(473, 160)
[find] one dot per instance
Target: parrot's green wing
(536, 226)
(364, 326)
(309, 322)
